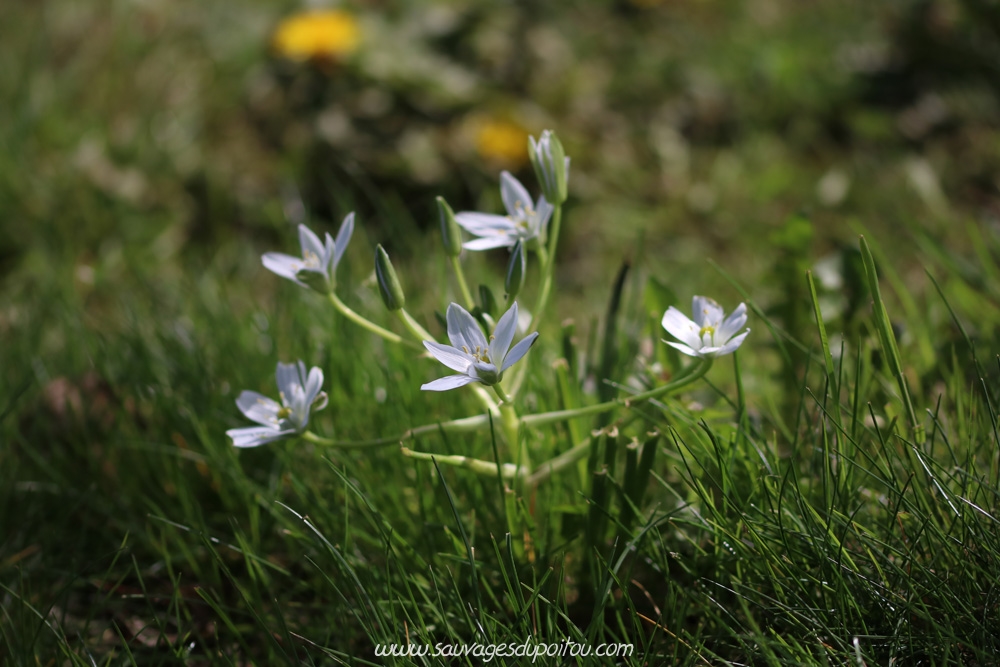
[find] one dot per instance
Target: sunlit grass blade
(888, 340)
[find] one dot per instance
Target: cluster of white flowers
(476, 358)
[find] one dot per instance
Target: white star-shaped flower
(524, 221)
(710, 334)
(475, 358)
(300, 394)
(317, 267)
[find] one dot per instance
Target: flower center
(284, 413)
(709, 331)
(481, 354)
(311, 259)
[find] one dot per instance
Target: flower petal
(329, 253)
(448, 382)
(515, 196)
(490, 242)
(519, 351)
(454, 359)
(503, 335)
(310, 242)
(679, 326)
(284, 265)
(482, 224)
(314, 383)
(255, 436)
(289, 378)
(543, 211)
(731, 346)
(684, 348)
(259, 408)
(343, 238)
(732, 324)
(463, 329)
(706, 312)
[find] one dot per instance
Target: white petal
(448, 382)
(454, 359)
(490, 242)
(463, 329)
(284, 265)
(289, 378)
(313, 385)
(732, 324)
(503, 335)
(259, 408)
(310, 242)
(255, 436)
(679, 326)
(732, 345)
(329, 254)
(706, 312)
(684, 348)
(482, 224)
(343, 238)
(518, 351)
(543, 211)
(515, 196)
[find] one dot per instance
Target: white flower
(300, 393)
(477, 359)
(523, 221)
(709, 335)
(317, 267)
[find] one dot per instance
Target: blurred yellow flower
(502, 141)
(320, 34)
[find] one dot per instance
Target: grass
(826, 495)
(134, 532)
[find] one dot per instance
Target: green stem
(413, 326)
(506, 471)
(697, 372)
(481, 422)
(548, 268)
(502, 394)
(349, 444)
(554, 465)
(463, 286)
(466, 425)
(366, 324)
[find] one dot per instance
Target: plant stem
(366, 324)
(506, 471)
(696, 373)
(466, 425)
(502, 394)
(413, 326)
(548, 268)
(463, 286)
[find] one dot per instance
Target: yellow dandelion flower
(502, 141)
(328, 34)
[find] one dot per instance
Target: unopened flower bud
(516, 268)
(388, 283)
(451, 234)
(551, 166)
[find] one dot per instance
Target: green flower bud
(551, 166)
(516, 268)
(388, 283)
(451, 234)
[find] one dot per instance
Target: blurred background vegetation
(151, 150)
